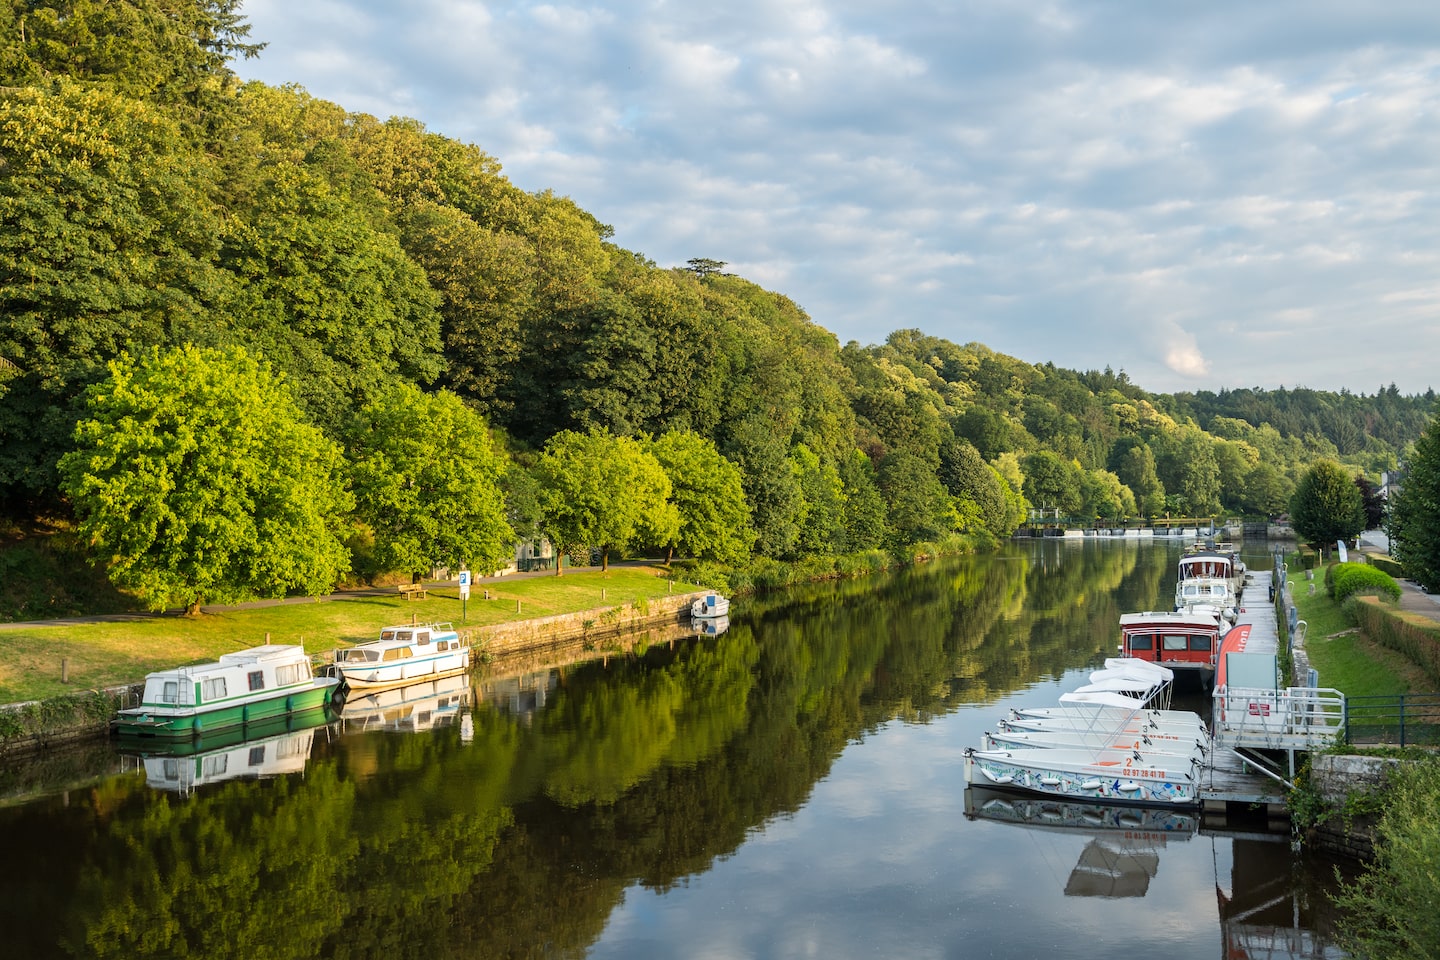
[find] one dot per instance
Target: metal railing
(1398, 720)
(1292, 718)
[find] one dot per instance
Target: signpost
(464, 593)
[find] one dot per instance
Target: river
(793, 787)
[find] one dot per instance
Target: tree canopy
(195, 479)
(1326, 505)
(426, 479)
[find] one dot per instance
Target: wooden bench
(412, 591)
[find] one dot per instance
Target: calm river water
(793, 787)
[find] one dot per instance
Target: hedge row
(1417, 637)
(1347, 579)
(1388, 564)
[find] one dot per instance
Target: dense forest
(317, 291)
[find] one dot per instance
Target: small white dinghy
(710, 607)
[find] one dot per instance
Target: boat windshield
(358, 656)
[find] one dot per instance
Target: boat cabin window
(422, 637)
(397, 653)
(257, 680)
(1141, 641)
(215, 765)
(291, 673)
(171, 692)
(257, 756)
(402, 635)
(359, 656)
(442, 645)
(1174, 641)
(213, 689)
(387, 634)
(1200, 641)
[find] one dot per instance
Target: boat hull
(1143, 783)
(402, 673)
(183, 722)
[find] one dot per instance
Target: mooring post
(64, 669)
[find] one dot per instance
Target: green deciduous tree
(330, 299)
(603, 491)
(1132, 461)
(1266, 490)
(108, 245)
(1326, 505)
(864, 508)
(917, 505)
(707, 491)
(1052, 482)
(195, 479)
(426, 479)
(968, 477)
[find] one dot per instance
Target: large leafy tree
(1326, 505)
(707, 491)
(917, 506)
(174, 53)
(330, 298)
(969, 478)
(195, 479)
(1415, 513)
(427, 483)
(108, 245)
(603, 491)
(1052, 482)
(864, 507)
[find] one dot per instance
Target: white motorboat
(710, 607)
(1139, 778)
(1137, 739)
(1105, 710)
(403, 655)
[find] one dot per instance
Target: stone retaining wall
(1339, 781)
(525, 636)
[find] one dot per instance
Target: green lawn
(1345, 661)
(107, 654)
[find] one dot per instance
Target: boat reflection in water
(1262, 913)
(269, 748)
(1120, 859)
(711, 627)
(409, 709)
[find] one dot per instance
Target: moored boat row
(1105, 742)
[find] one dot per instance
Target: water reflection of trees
(642, 769)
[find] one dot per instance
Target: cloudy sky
(1225, 194)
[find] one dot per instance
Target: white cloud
(1048, 177)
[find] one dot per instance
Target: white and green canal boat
(239, 689)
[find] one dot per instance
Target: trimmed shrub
(1388, 564)
(1417, 637)
(1347, 579)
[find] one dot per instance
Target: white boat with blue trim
(712, 606)
(1098, 744)
(404, 655)
(1138, 778)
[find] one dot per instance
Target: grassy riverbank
(1345, 660)
(110, 653)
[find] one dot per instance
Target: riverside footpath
(1412, 598)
